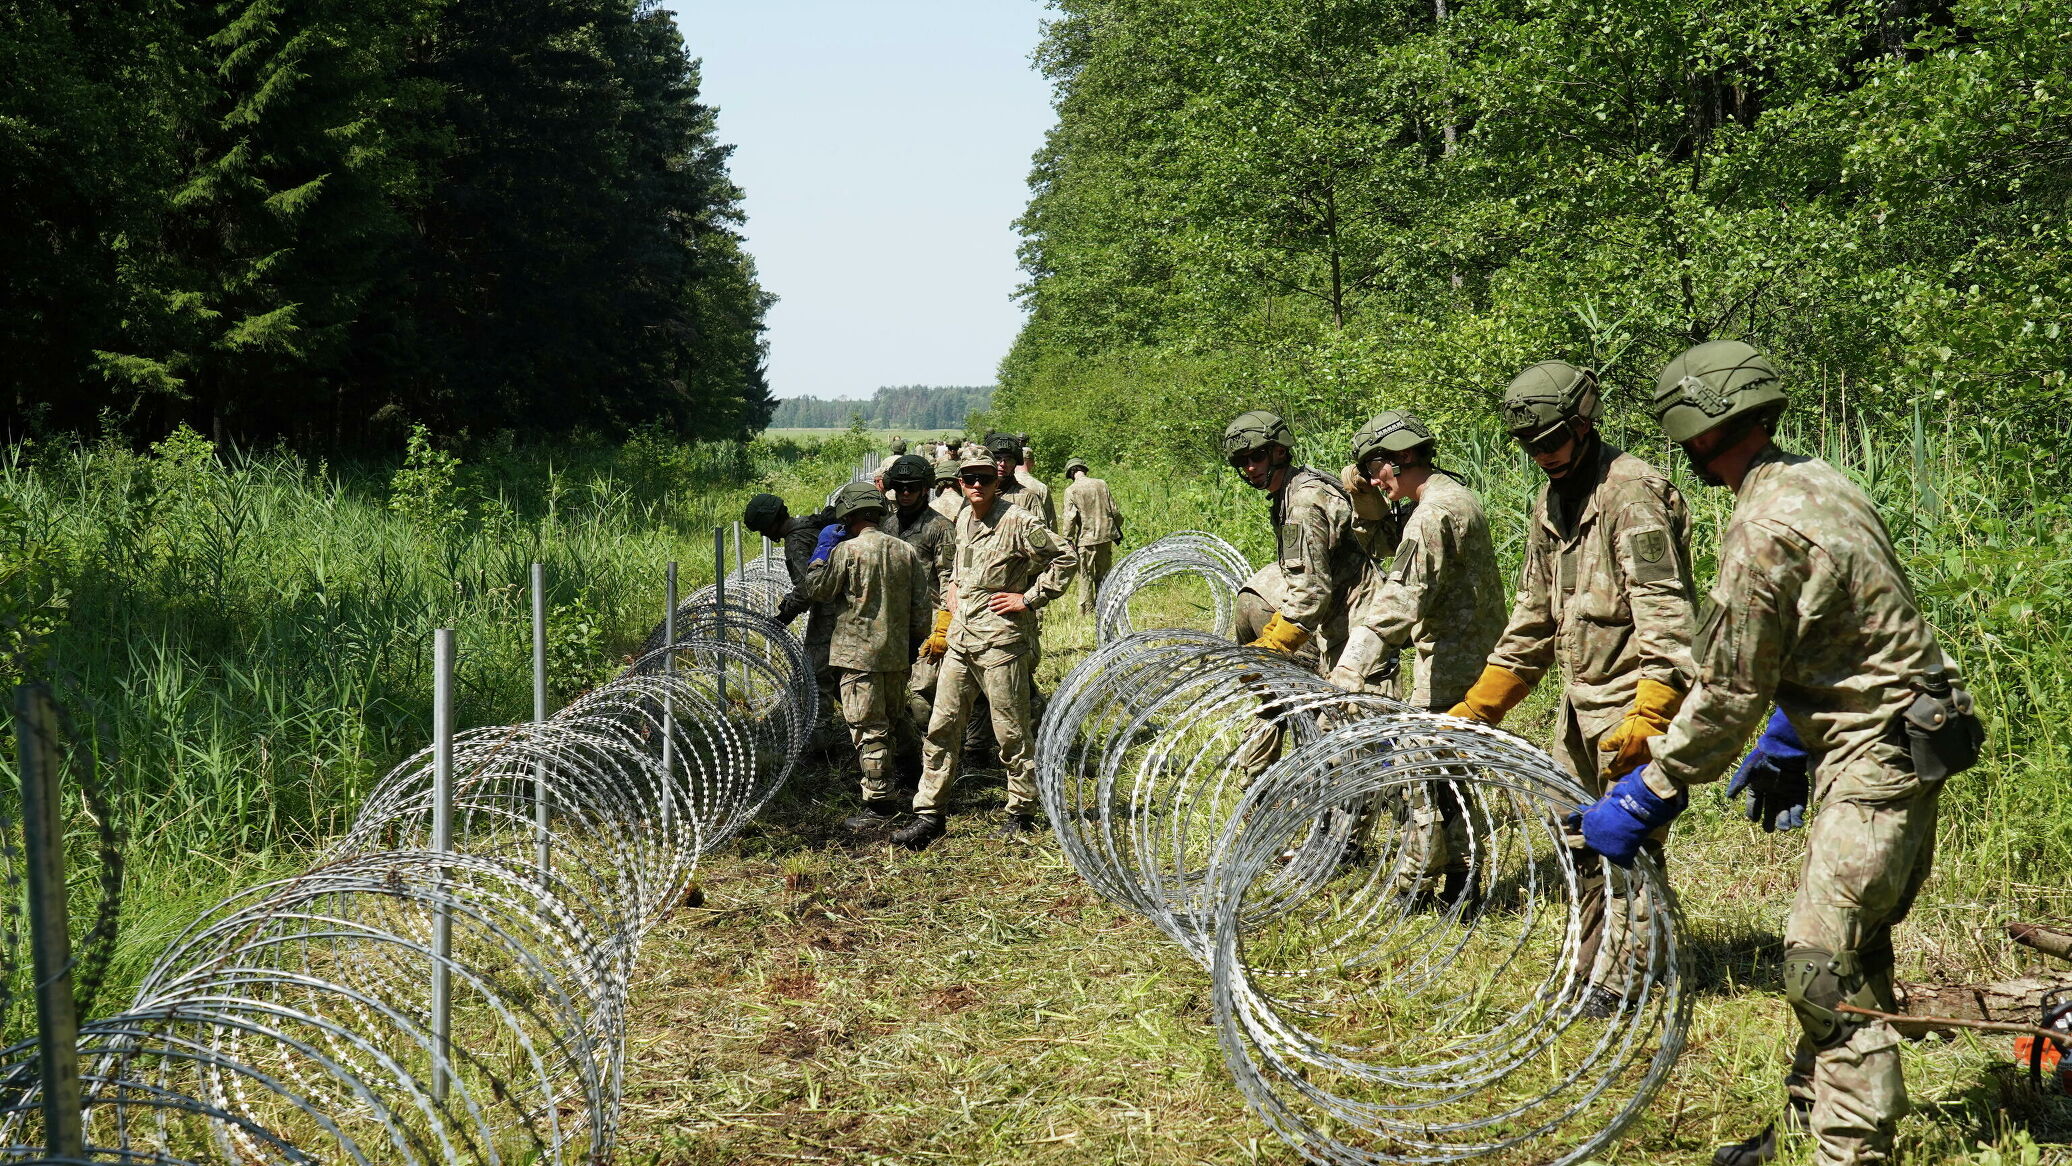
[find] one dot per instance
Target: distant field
(882, 435)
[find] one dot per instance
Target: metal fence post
(719, 600)
(540, 815)
(50, 925)
(442, 843)
(668, 697)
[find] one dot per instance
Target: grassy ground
(843, 1001)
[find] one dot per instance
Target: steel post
(50, 927)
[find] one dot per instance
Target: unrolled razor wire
(292, 1023)
(1190, 554)
(1400, 933)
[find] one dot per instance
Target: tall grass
(248, 634)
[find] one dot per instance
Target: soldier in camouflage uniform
(1605, 594)
(1017, 488)
(1441, 592)
(946, 501)
(1297, 603)
(1093, 523)
(766, 515)
(879, 590)
(933, 537)
(1008, 566)
(1813, 610)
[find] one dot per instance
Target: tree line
(1327, 205)
(322, 220)
(919, 407)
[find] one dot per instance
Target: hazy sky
(884, 146)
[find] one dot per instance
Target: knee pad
(1816, 982)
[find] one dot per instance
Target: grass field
(249, 636)
(879, 436)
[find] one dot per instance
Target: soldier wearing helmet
(1441, 592)
(766, 515)
(880, 592)
(913, 521)
(946, 501)
(1093, 523)
(1811, 610)
(1604, 595)
(1017, 488)
(1009, 565)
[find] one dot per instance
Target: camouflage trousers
(1262, 744)
(1003, 677)
(1617, 929)
(1094, 561)
(826, 728)
(870, 700)
(1864, 864)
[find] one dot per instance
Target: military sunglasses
(1548, 442)
(1248, 457)
(974, 478)
(908, 487)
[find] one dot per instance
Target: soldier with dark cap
(934, 538)
(1093, 523)
(1009, 565)
(1015, 488)
(767, 515)
(1604, 595)
(1812, 610)
(946, 501)
(880, 592)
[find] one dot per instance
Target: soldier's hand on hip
(1007, 602)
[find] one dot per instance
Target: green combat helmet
(1544, 397)
(899, 446)
(909, 469)
(945, 471)
(1712, 383)
(1395, 431)
(1075, 464)
(1255, 431)
(855, 498)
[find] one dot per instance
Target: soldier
(1093, 523)
(1027, 493)
(1009, 565)
(1302, 594)
(933, 537)
(946, 502)
(766, 515)
(899, 445)
(1027, 472)
(1604, 593)
(880, 592)
(1812, 609)
(1441, 593)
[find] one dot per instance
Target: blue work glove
(1616, 824)
(1774, 774)
(832, 533)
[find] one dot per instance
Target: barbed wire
(1398, 931)
(1195, 554)
(298, 1021)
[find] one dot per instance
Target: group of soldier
(922, 608)
(1811, 640)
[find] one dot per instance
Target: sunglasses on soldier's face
(976, 479)
(1546, 443)
(908, 487)
(1249, 457)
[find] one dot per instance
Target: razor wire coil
(1187, 554)
(1374, 1004)
(293, 1023)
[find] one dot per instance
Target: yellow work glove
(938, 641)
(1496, 692)
(1653, 705)
(1280, 636)
(1367, 501)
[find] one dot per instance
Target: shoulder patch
(1652, 560)
(1406, 561)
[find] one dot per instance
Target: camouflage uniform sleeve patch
(1406, 561)
(1650, 556)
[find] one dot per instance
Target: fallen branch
(2062, 1039)
(2022, 997)
(2051, 941)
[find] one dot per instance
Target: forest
(891, 407)
(318, 222)
(1331, 207)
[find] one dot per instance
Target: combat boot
(919, 833)
(1798, 1118)
(1018, 825)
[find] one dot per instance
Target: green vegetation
(894, 407)
(324, 220)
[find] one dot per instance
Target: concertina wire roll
(292, 1022)
(1398, 933)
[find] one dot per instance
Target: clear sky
(884, 146)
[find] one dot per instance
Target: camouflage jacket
(1032, 496)
(1811, 611)
(947, 504)
(878, 587)
(1091, 516)
(1318, 560)
(1009, 550)
(933, 537)
(801, 535)
(1609, 598)
(1441, 592)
